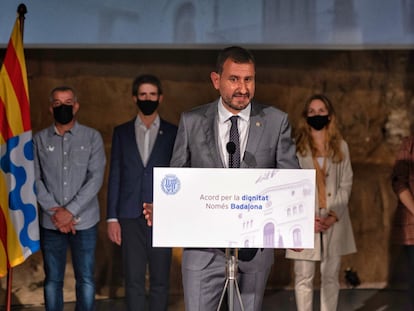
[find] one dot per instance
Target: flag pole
(9, 288)
(21, 10)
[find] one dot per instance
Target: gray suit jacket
(269, 145)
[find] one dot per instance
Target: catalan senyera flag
(19, 225)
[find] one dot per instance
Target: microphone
(231, 149)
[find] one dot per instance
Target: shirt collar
(138, 121)
(53, 130)
(224, 114)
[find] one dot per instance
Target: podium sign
(221, 207)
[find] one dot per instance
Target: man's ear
(160, 98)
(215, 79)
(76, 107)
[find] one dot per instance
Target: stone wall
(371, 91)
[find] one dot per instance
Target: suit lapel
(159, 142)
(256, 128)
(132, 141)
(328, 164)
(209, 124)
(307, 162)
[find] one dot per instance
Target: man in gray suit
(264, 141)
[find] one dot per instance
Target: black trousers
(137, 255)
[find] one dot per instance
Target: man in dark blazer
(137, 147)
(264, 142)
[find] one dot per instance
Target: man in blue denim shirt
(69, 167)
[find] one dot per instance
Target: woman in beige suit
(320, 146)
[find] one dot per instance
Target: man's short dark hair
(237, 54)
(144, 79)
(63, 88)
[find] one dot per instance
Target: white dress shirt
(146, 137)
(224, 125)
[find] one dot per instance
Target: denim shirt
(69, 171)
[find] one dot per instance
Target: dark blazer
(269, 145)
(127, 171)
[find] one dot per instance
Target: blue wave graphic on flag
(10, 164)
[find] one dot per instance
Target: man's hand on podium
(148, 207)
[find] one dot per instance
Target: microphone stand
(231, 285)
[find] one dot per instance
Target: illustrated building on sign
(295, 201)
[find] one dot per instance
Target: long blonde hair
(303, 137)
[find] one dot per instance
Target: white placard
(217, 207)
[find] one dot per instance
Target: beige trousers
(304, 275)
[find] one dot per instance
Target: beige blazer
(339, 239)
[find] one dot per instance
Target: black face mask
(147, 107)
(318, 122)
(63, 114)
